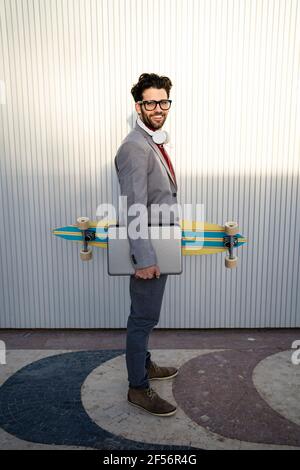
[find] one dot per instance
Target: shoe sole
(156, 414)
(164, 378)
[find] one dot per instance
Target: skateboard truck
(230, 240)
(83, 223)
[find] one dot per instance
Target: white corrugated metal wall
(66, 69)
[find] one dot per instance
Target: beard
(150, 122)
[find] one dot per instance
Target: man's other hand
(148, 273)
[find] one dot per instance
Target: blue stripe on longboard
(199, 233)
(76, 238)
(205, 234)
(185, 233)
(210, 243)
(184, 243)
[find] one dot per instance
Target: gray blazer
(144, 178)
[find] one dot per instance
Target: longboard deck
(197, 238)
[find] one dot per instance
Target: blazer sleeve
(131, 163)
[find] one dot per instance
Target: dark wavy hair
(150, 80)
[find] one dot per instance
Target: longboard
(198, 238)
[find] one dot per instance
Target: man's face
(157, 117)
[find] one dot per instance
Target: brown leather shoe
(156, 372)
(150, 401)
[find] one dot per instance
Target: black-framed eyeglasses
(151, 105)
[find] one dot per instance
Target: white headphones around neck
(159, 137)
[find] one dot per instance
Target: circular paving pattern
(277, 380)
(221, 396)
(41, 403)
(227, 399)
(108, 385)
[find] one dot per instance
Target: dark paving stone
(42, 403)
(217, 392)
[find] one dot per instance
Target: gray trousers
(146, 299)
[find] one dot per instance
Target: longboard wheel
(231, 228)
(83, 223)
(86, 255)
(231, 262)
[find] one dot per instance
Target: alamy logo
(2, 352)
(296, 354)
(138, 216)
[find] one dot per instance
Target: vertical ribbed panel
(66, 70)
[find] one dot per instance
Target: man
(147, 177)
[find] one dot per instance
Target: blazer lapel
(158, 153)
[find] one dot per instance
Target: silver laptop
(165, 239)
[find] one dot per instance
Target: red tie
(167, 159)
